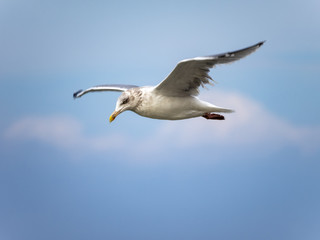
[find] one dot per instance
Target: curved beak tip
(113, 116)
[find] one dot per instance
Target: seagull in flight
(175, 97)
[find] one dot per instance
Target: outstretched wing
(111, 87)
(189, 74)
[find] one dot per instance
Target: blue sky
(65, 172)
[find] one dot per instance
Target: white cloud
(61, 131)
(250, 127)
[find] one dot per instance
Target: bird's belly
(170, 108)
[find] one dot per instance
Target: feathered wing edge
(231, 56)
(99, 88)
(190, 74)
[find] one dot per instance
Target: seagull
(175, 97)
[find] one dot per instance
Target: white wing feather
(190, 74)
(111, 87)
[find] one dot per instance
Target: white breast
(170, 108)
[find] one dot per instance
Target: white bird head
(128, 100)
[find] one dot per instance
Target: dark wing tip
(261, 43)
(75, 95)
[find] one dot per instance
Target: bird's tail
(222, 110)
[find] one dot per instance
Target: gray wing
(111, 87)
(189, 74)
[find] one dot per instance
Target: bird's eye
(124, 101)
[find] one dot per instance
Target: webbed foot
(213, 116)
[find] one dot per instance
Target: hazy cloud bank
(250, 127)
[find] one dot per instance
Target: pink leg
(213, 116)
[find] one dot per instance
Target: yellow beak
(113, 116)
